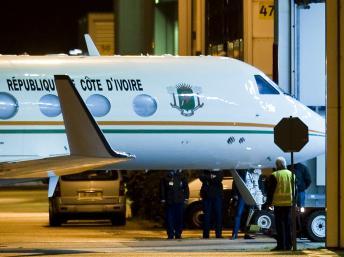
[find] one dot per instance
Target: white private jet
(170, 112)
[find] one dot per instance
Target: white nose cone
(317, 136)
(316, 132)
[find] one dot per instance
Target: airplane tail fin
(84, 136)
(91, 47)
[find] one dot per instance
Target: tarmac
(25, 231)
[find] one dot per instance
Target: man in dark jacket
(174, 192)
(212, 195)
(303, 181)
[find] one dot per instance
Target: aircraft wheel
(54, 218)
(316, 226)
(195, 215)
(119, 219)
(264, 219)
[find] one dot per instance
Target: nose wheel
(316, 226)
(264, 219)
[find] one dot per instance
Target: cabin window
(49, 105)
(144, 105)
(8, 106)
(98, 105)
(264, 87)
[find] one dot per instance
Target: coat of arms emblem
(186, 98)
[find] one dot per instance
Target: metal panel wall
(184, 26)
(335, 139)
(259, 34)
(101, 29)
(311, 80)
(134, 26)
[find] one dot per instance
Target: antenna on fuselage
(91, 47)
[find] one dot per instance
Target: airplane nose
(317, 134)
(316, 131)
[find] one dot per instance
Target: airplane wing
(61, 165)
(88, 146)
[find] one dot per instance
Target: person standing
(251, 180)
(174, 192)
(239, 205)
(303, 181)
(212, 196)
(279, 194)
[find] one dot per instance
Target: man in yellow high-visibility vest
(279, 194)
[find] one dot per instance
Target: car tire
(195, 215)
(265, 220)
(54, 218)
(119, 219)
(316, 226)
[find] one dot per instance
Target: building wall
(102, 32)
(259, 34)
(335, 138)
(100, 26)
(134, 26)
(310, 57)
(165, 27)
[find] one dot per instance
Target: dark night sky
(44, 26)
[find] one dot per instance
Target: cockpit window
(264, 87)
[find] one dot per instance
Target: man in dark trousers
(240, 204)
(251, 179)
(174, 192)
(279, 194)
(212, 195)
(303, 181)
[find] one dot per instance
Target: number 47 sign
(266, 9)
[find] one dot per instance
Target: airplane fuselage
(171, 112)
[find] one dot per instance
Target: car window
(264, 87)
(92, 175)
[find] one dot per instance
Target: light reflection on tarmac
(27, 233)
